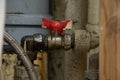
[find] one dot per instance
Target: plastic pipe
(2, 21)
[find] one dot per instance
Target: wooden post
(109, 40)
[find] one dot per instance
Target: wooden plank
(109, 40)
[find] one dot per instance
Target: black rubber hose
(24, 58)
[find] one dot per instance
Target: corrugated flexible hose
(24, 58)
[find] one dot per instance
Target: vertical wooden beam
(109, 40)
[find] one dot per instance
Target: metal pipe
(93, 28)
(24, 58)
(93, 11)
(93, 17)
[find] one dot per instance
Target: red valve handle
(54, 25)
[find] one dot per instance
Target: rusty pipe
(24, 58)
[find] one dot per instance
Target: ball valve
(61, 36)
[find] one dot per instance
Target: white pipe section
(2, 22)
(93, 12)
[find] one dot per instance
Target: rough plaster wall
(68, 65)
(9, 61)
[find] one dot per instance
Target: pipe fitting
(84, 41)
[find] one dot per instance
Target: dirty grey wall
(70, 64)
